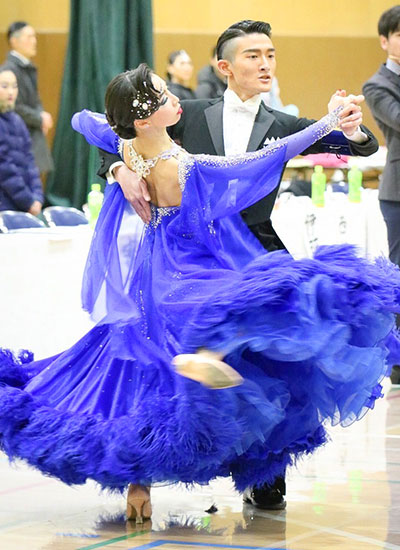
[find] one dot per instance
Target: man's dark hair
(15, 27)
(389, 21)
(247, 26)
(121, 93)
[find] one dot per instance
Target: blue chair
(64, 215)
(12, 220)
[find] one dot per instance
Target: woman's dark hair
(171, 59)
(389, 21)
(247, 26)
(5, 67)
(126, 95)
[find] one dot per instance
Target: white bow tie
(242, 107)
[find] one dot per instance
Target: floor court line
(158, 543)
(111, 541)
(25, 487)
(332, 531)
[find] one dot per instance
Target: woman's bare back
(162, 181)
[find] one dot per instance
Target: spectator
(20, 185)
(382, 93)
(179, 73)
(22, 41)
(210, 82)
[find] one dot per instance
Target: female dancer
(302, 342)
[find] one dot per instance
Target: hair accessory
(143, 104)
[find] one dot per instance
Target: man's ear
(224, 66)
(384, 42)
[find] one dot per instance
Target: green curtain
(106, 37)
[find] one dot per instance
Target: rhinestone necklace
(143, 166)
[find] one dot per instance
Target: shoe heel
(138, 507)
(136, 511)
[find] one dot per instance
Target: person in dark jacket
(210, 82)
(382, 93)
(20, 185)
(22, 40)
(179, 72)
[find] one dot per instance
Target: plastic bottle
(318, 186)
(95, 200)
(354, 177)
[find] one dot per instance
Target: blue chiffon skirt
(312, 339)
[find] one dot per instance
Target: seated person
(20, 184)
(179, 73)
(210, 82)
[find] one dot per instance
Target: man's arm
(384, 106)
(354, 139)
(32, 117)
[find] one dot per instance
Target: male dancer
(237, 122)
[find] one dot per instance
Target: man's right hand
(135, 191)
(36, 208)
(47, 122)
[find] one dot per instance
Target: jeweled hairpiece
(144, 104)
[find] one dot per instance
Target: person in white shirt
(239, 122)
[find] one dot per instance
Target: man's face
(8, 91)
(24, 42)
(253, 65)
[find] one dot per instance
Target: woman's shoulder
(12, 124)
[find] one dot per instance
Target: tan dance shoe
(207, 368)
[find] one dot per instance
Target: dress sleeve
(223, 186)
(96, 130)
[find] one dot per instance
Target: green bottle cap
(318, 169)
(96, 187)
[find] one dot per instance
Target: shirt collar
(21, 57)
(393, 66)
(232, 99)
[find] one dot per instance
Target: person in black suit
(382, 93)
(237, 122)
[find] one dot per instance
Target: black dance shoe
(395, 374)
(267, 497)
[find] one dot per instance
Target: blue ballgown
(312, 339)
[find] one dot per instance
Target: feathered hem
(207, 441)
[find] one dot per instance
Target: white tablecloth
(40, 281)
(303, 226)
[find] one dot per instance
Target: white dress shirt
(238, 121)
(21, 57)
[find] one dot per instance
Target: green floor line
(111, 541)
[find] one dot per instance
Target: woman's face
(8, 90)
(181, 69)
(170, 109)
